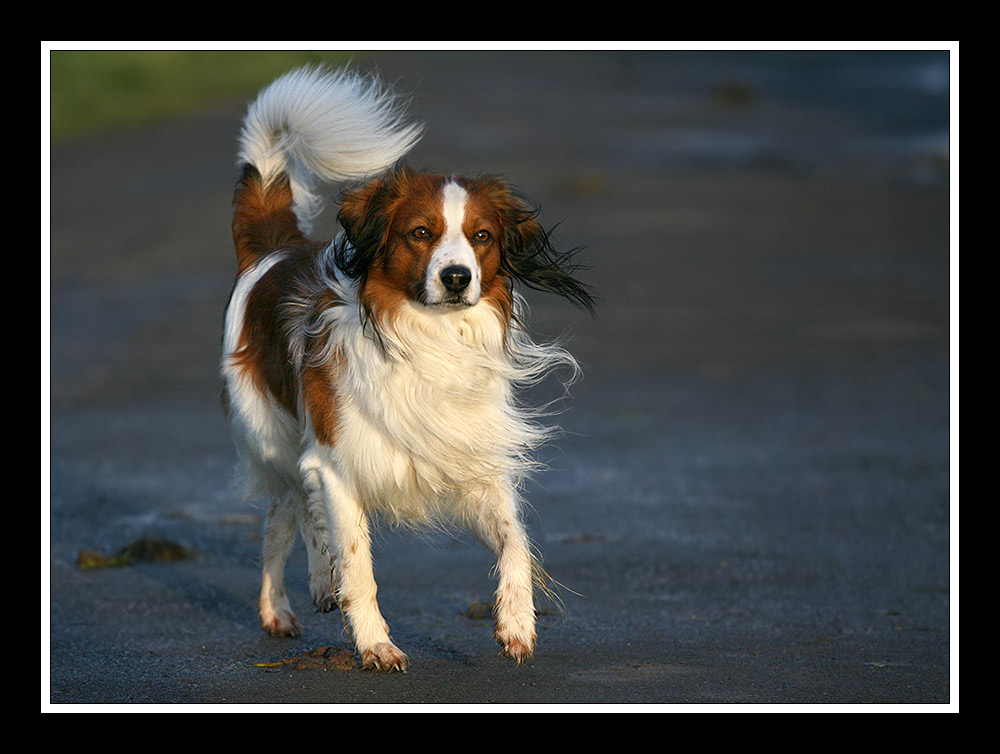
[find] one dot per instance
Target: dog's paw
(518, 651)
(384, 656)
(280, 623)
(516, 648)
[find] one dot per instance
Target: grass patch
(100, 90)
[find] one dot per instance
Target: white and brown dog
(376, 375)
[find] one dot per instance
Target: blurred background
(752, 500)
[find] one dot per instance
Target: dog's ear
(527, 253)
(364, 215)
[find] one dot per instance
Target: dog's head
(447, 243)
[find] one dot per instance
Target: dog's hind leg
(322, 562)
(276, 616)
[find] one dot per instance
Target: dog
(375, 377)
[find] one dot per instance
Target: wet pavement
(752, 500)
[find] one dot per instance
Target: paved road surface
(752, 501)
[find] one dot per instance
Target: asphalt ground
(753, 500)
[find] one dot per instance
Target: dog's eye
(420, 232)
(482, 236)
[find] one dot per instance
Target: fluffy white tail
(316, 124)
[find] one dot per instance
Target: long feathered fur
(403, 381)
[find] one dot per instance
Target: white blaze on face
(453, 251)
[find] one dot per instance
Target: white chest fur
(429, 417)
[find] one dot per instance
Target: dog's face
(447, 243)
(437, 241)
(444, 247)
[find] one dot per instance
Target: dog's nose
(456, 278)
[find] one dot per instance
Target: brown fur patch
(319, 392)
(263, 219)
(263, 346)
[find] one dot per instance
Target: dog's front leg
(499, 525)
(351, 541)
